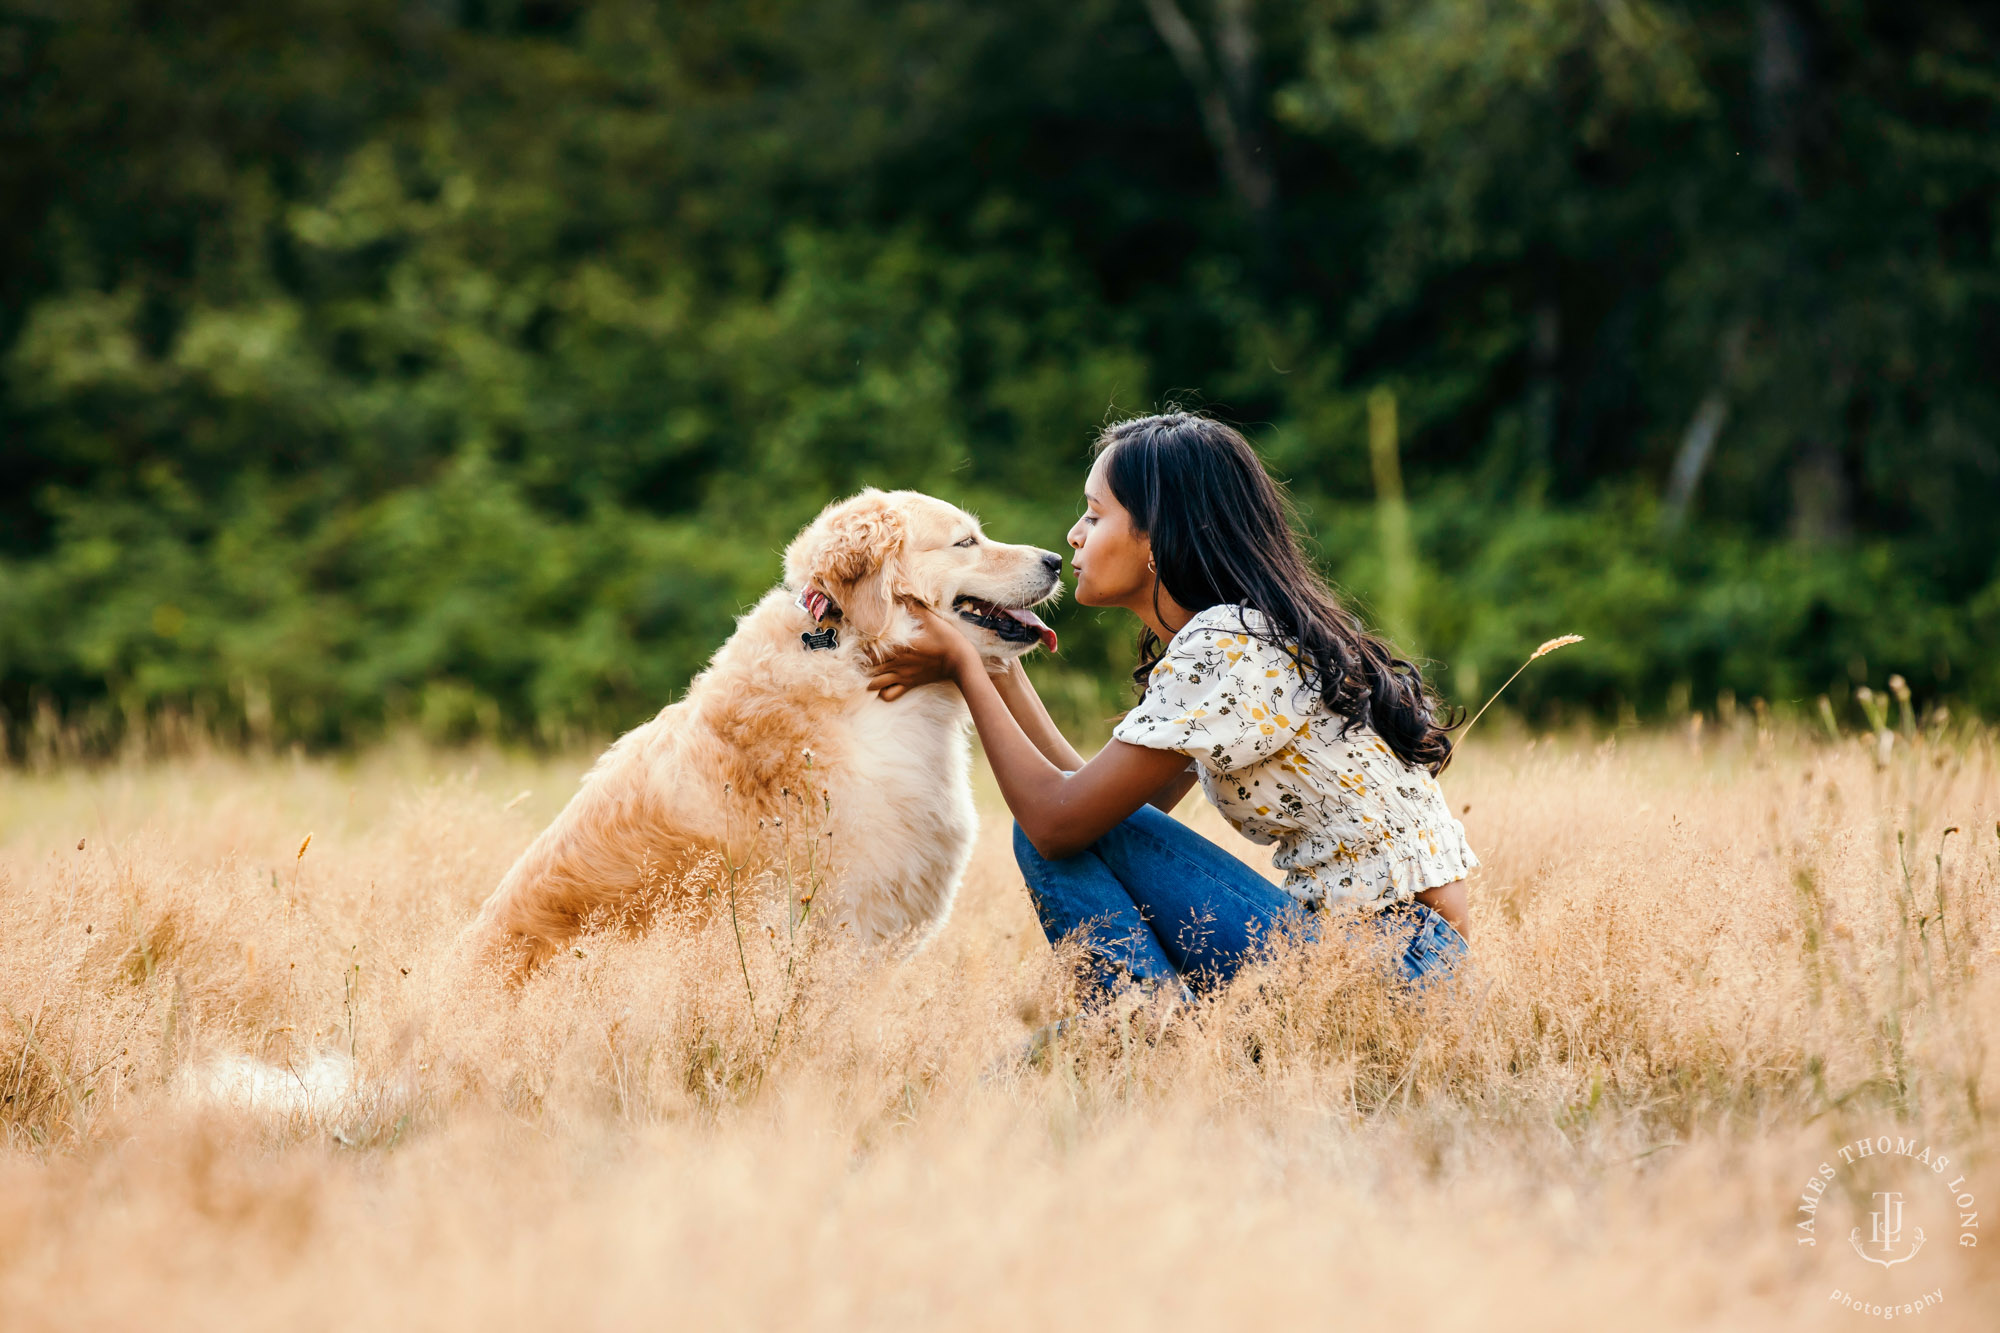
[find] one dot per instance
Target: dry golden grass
(1701, 965)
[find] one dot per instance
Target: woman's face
(1110, 560)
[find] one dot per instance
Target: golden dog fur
(779, 766)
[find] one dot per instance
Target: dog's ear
(854, 553)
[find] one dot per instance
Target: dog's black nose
(1052, 562)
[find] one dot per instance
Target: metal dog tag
(820, 638)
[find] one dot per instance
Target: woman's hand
(935, 652)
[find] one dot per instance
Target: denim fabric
(1434, 944)
(1159, 904)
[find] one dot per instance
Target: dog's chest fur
(903, 820)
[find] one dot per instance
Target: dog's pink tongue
(1034, 622)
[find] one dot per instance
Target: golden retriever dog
(779, 767)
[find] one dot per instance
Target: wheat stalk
(1550, 646)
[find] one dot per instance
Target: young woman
(1303, 729)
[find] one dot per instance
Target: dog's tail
(312, 1089)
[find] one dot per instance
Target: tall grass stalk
(1392, 517)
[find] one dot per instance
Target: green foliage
(470, 363)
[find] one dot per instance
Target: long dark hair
(1223, 531)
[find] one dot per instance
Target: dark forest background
(466, 363)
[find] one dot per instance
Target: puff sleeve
(1220, 695)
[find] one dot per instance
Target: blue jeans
(1159, 904)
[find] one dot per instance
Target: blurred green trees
(469, 363)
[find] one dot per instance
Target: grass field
(1701, 964)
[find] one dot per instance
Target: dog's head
(869, 552)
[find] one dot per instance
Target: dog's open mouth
(1016, 624)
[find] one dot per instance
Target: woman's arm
(1064, 813)
(1169, 796)
(897, 676)
(1018, 692)
(1061, 812)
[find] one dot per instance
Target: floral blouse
(1351, 822)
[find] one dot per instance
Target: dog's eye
(969, 541)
